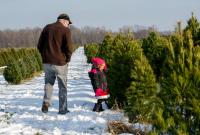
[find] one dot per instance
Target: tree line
(20, 63)
(28, 37)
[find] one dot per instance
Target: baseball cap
(64, 16)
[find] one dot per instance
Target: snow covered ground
(20, 106)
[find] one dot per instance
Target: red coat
(99, 83)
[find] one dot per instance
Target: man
(55, 47)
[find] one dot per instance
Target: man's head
(64, 19)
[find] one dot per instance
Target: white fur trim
(103, 97)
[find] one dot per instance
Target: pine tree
(194, 26)
(34, 60)
(154, 49)
(29, 65)
(39, 60)
(14, 53)
(106, 49)
(12, 73)
(119, 67)
(91, 51)
(180, 85)
(2, 62)
(23, 69)
(143, 102)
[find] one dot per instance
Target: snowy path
(20, 106)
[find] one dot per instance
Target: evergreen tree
(39, 60)
(143, 102)
(194, 26)
(91, 51)
(119, 68)
(2, 62)
(7, 56)
(21, 64)
(14, 53)
(29, 65)
(180, 86)
(154, 49)
(23, 69)
(12, 73)
(32, 54)
(106, 49)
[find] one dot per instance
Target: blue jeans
(51, 73)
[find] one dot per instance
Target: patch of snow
(143, 127)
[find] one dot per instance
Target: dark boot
(94, 108)
(45, 107)
(107, 104)
(97, 107)
(101, 108)
(63, 112)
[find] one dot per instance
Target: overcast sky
(111, 14)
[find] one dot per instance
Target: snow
(20, 106)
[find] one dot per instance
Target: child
(99, 83)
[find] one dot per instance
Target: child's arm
(97, 83)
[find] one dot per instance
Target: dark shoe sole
(62, 113)
(45, 107)
(44, 111)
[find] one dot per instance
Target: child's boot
(94, 108)
(101, 108)
(98, 106)
(107, 104)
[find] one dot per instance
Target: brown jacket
(55, 44)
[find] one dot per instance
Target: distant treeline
(28, 37)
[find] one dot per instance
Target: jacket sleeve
(68, 46)
(97, 84)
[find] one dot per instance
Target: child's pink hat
(98, 61)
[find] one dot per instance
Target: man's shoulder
(58, 27)
(51, 24)
(48, 26)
